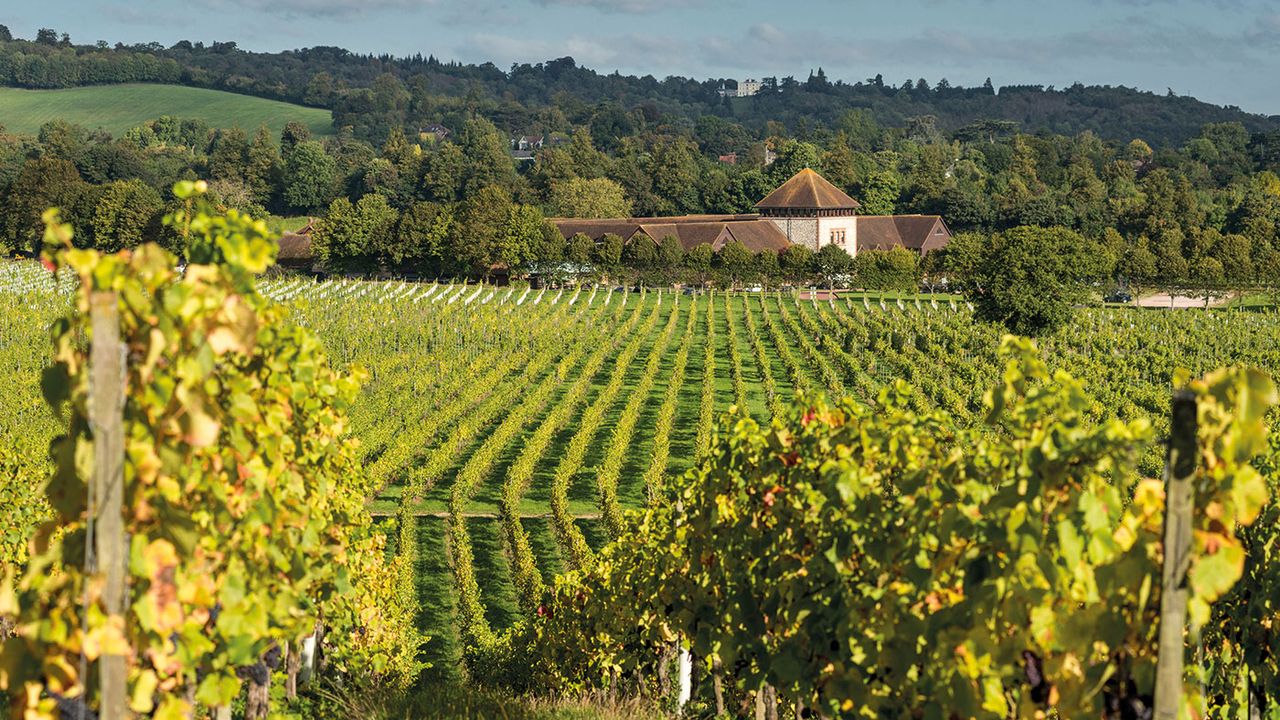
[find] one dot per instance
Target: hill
(518, 99)
(116, 108)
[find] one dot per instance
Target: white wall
(848, 224)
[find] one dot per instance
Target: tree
(5, 35)
(480, 231)
(319, 90)
(1029, 278)
(355, 236)
(607, 255)
(548, 251)
(293, 134)
(523, 234)
(797, 263)
(674, 168)
(768, 266)
(734, 262)
(229, 158)
(262, 169)
(581, 250)
(1208, 277)
(127, 215)
(486, 157)
(895, 269)
(640, 255)
(793, 156)
(831, 262)
(235, 195)
(47, 36)
(959, 260)
(594, 198)
(670, 258)
(65, 140)
(879, 193)
(309, 176)
(1234, 253)
(421, 236)
(43, 182)
(699, 261)
(1137, 264)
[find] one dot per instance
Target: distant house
(434, 131)
(524, 148)
(527, 143)
(729, 158)
(746, 88)
(805, 210)
(295, 250)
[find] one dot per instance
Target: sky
(1221, 51)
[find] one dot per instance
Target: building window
(837, 236)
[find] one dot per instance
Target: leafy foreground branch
(243, 497)
(880, 562)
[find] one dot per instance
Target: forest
(1204, 214)
(558, 94)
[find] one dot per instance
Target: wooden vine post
(1180, 468)
(106, 411)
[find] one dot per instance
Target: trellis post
(106, 412)
(1180, 468)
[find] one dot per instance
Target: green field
(116, 108)
(477, 397)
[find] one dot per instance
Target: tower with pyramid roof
(811, 211)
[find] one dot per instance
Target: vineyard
(508, 429)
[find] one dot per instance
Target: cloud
(1151, 45)
(134, 15)
(605, 52)
(635, 7)
(326, 9)
(457, 9)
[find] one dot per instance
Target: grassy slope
(116, 108)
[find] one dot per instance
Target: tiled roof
(807, 190)
(915, 232)
(754, 233)
(294, 247)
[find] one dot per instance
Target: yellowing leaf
(1249, 493)
(1213, 574)
(142, 700)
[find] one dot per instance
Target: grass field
(116, 108)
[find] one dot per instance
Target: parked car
(1119, 296)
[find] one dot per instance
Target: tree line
(1204, 214)
(559, 94)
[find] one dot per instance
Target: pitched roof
(808, 190)
(759, 235)
(915, 232)
(754, 233)
(295, 248)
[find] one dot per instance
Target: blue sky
(1222, 51)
